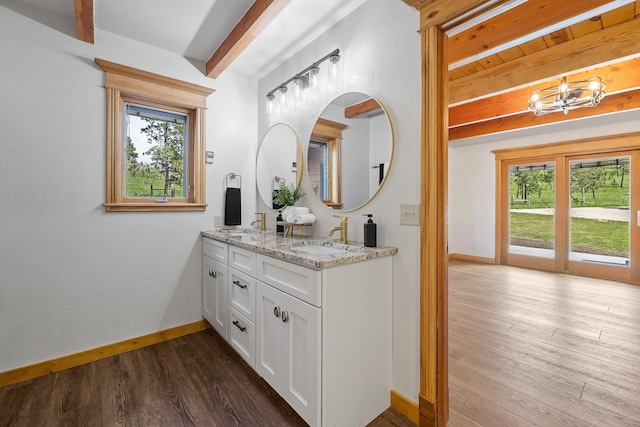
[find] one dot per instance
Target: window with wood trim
(155, 141)
(325, 161)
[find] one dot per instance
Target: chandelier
(567, 96)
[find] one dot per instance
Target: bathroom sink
(323, 247)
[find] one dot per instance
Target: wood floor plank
(570, 357)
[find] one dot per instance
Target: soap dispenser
(279, 226)
(370, 232)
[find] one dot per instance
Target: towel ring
(233, 176)
(275, 182)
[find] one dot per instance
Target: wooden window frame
(330, 132)
(126, 84)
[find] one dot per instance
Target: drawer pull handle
(276, 311)
(242, 328)
(213, 274)
(237, 283)
(285, 316)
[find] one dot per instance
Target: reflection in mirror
(279, 162)
(350, 151)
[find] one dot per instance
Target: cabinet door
(301, 358)
(269, 335)
(214, 294)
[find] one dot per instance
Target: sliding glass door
(599, 213)
(532, 209)
(571, 211)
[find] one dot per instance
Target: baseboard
(473, 258)
(405, 406)
(77, 359)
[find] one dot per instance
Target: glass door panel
(532, 209)
(599, 228)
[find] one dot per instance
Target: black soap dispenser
(370, 232)
(279, 226)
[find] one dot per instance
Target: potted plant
(287, 195)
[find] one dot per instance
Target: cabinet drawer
(215, 249)
(242, 260)
(241, 293)
(296, 280)
(242, 336)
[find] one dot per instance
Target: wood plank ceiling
(520, 46)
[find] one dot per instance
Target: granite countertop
(310, 251)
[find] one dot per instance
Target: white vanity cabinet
(321, 336)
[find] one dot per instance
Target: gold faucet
(342, 229)
(262, 221)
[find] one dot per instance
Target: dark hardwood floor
(530, 348)
(196, 380)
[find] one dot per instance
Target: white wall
(73, 277)
(380, 50)
(472, 176)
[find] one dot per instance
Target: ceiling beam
(361, 108)
(85, 20)
(610, 44)
(438, 12)
(532, 19)
(259, 15)
(619, 77)
(611, 104)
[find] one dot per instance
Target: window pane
(155, 151)
(599, 215)
(318, 158)
(532, 209)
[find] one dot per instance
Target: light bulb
(563, 86)
(333, 66)
(283, 97)
(298, 86)
(313, 77)
(270, 98)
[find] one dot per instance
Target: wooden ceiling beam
(610, 44)
(518, 25)
(625, 101)
(259, 15)
(438, 12)
(361, 108)
(85, 20)
(619, 77)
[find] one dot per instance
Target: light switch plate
(409, 214)
(209, 156)
(217, 221)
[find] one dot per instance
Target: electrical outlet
(409, 214)
(217, 221)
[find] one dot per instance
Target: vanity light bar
(303, 79)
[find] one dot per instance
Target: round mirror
(350, 151)
(279, 162)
